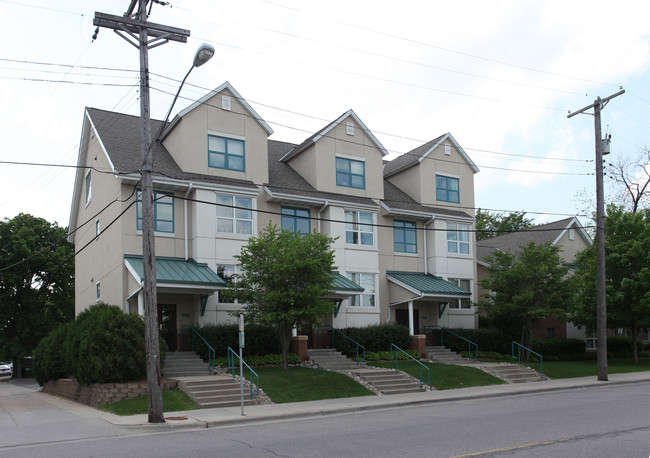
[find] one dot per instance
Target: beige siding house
(404, 248)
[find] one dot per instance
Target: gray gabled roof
(397, 202)
(297, 149)
(544, 233)
(420, 153)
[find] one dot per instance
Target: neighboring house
(569, 235)
(219, 180)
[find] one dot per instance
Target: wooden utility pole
(601, 293)
(138, 32)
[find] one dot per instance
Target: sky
(500, 76)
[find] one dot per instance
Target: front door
(402, 317)
(167, 325)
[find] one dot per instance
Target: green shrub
(562, 348)
(260, 339)
(375, 338)
(106, 345)
(48, 361)
(489, 339)
(264, 360)
(385, 355)
(621, 347)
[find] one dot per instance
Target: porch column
(140, 303)
(411, 324)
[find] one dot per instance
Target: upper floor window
(358, 228)
(350, 173)
(88, 187)
(367, 282)
(295, 219)
(461, 303)
(404, 237)
(163, 211)
(458, 238)
(447, 189)
(234, 214)
(227, 272)
(98, 290)
(226, 153)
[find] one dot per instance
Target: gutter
(426, 263)
(187, 193)
(327, 204)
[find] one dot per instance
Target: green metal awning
(342, 288)
(177, 272)
(426, 285)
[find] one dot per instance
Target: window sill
(354, 246)
(410, 255)
(361, 310)
(160, 234)
(233, 236)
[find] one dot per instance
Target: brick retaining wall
(100, 393)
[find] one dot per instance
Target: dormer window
(226, 153)
(350, 173)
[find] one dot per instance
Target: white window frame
(235, 271)
(355, 227)
(464, 303)
(89, 187)
(455, 233)
(233, 218)
(359, 301)
(97, 228)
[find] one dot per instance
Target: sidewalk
(207, 418)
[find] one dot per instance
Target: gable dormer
(344, 158)
(220, 135)
(437, 173)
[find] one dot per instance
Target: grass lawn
(444, 376)
(173, 400)
(300, 384)
(570, 369)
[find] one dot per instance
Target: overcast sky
(501, 76)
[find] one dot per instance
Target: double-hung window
(367, 282)
(226, 153)
(295, 220)
(350, 173)
(461, 303)
(89, 187)
(447, 189)
(163, 211)
(234, 214)
(458, 238)
(358, 228)
(227, 272)
(404, 237)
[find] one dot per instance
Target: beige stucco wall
(188, 142)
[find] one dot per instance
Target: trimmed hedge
(375, 338)
(621, 347)
(488, 340)
(564, 349)
(103, 345)
(260, 339)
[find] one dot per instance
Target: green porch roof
(177, 271)
(342, 283)
(426, 284)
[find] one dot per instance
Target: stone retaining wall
(100, 393)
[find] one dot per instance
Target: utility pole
(138, 32)
(601, 293)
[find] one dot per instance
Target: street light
(204, 53)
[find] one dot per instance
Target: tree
(627, 257)
(632, 180)
(36, 283)
(491, 224)
(529, 284)
(283, 278)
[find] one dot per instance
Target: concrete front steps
(330, 358)
(389, 381)
(215, 391)
(444, 355)
(513, 373)
(184, 364)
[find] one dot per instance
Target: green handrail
(232, 354)
(334, 330)
(519, 347)
(393, 346)
(211, 353)
(442, 338)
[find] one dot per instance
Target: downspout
(187, 250)
(426, 263)
(320, 211)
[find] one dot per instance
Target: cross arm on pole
(599, 100)
(133, 26)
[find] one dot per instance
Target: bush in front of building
(489, 340)
(375, 338)
(260, 340)
(563, 349)
(621, 347)
(48, 360)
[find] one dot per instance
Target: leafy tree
(491, 224)
(627, 261)
(529, 284)
(283, 279)
(36, 284)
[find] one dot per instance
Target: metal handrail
(421, 365)
(442, 338)
(212, 355)
(334, 330)
(232, 354)
(519, 347)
